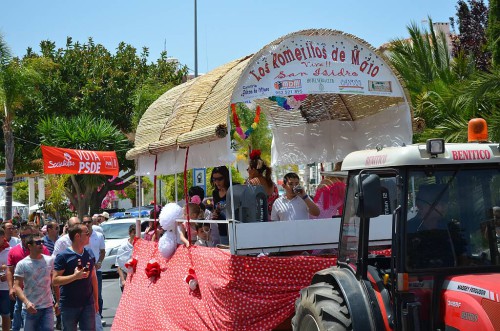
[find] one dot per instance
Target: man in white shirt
(96, 224)
(9, 228)
(294, 204)
(97, 246)
(64, 242)
(124, 254)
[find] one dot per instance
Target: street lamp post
(195, 40)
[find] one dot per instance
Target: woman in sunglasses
(220, 183)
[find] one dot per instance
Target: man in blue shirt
(52, 235)
(75, 273)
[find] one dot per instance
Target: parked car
(115, 233)
(134, 212)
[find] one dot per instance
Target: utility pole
(195, 40)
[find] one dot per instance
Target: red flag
(74, 161)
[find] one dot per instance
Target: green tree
(493, 31)
(170, 183)
(472, 21)
(88, 79)
(77, 79)
(86, 192)
(423, 59)
(482, 99)
(16, 80)
(260, 138)
(56, 202)
(21, 192)
(424, 65)
(162, 76)
(131, 193)
(448, 101)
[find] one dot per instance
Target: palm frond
(5, 53)
(454, 129)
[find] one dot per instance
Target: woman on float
(330, 195)
(219, 179)
(260, 174)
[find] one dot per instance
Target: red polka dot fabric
(234, 292)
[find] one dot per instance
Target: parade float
(325, 94)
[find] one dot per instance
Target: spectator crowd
(49, 274)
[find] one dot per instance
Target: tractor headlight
(435, 146)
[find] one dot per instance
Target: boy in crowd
(32, 284)
(16, 254)
(203, 235)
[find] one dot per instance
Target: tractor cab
(444, 211)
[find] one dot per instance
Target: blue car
(133, 212)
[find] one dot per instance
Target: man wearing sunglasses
(75, 274)
(32, 284)
(16, 254)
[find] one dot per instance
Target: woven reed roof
(324, 107)
(197, 111)
(190, 113)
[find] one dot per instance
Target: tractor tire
(321, 307)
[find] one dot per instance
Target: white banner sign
(316, 65)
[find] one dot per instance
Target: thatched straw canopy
(188, 114)
(350, 98)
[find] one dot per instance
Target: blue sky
(227, 29)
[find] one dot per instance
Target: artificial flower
(153, 270)
(131, 265)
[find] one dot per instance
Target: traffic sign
(199, 178)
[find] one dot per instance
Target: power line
(27, 141)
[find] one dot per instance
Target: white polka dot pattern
(235, 292)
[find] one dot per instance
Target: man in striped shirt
(52, 235)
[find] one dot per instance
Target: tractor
(440, 202)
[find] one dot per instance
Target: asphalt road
(111, 295)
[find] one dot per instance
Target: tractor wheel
(321, 308)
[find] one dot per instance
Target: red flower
(255, 154)
(131, 264)
(153, 269)
(191, 280)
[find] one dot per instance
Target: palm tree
(434, 79)
(17, 81)
(423, 58)
(5, 99)
(482, 95)
(86, 192)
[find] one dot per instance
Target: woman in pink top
(330, 195)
